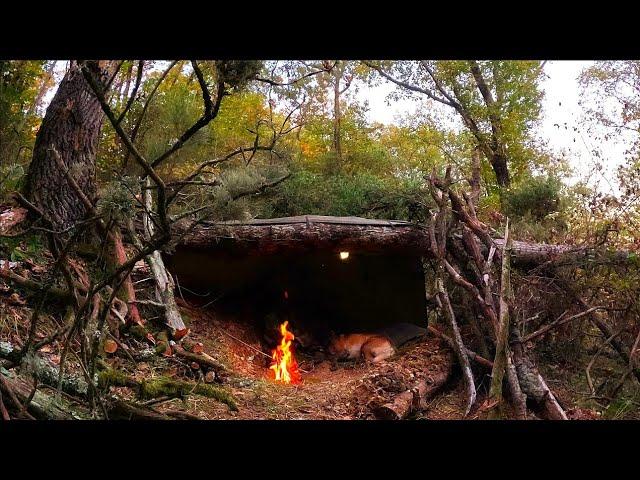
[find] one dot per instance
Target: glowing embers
(284, 365)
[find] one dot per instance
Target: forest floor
(350, 391)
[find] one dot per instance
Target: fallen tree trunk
(163, 386)
(314, 232)
(307, 233)
(44, 371)
(43, 406)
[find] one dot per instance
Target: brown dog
(372, 346)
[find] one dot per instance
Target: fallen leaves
(11, 217)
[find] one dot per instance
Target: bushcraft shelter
(346, 274)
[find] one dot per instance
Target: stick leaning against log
(439, 245)
(522, 376)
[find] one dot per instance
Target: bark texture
(502, 348)
(308, 233)
(316, 232)
(71, 126)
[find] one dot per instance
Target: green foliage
(229, 200)
(362, 194)
(506, 121)
(538, 209)
(29, 246)
(618, 408)
(117, 199)
(536, 197)
(11, 177)
(20, 82)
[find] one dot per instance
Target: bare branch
(133, 93)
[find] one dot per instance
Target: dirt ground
(351, 391)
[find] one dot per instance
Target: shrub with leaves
(362, 194)
(117, 200)
(536, 197)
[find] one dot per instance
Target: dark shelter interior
(318, 290)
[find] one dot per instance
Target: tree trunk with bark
(71, 126)
(502, 335)
(44, 86)
(500, 168)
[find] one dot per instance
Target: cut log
(201, 358)
(412, 400)
(402, 404)
(314, 232)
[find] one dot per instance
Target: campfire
(284, 364)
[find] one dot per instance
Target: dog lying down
(374, 347)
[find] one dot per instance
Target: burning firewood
(284, 365)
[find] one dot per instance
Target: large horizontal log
(305, 234)
(265, 239)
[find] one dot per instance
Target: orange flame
(284, 364)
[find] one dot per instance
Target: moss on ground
(164, 386)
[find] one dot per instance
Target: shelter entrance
(340, 289)
(317, 292)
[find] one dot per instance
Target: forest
(318, 239)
